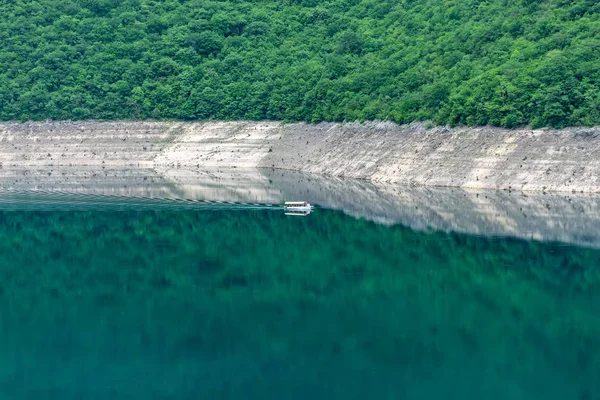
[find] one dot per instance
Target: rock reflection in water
(540, 216)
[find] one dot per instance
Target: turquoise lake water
(178, 302)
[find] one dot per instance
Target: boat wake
(37, 200)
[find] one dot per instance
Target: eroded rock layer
(479, 158)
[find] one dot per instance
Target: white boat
(297, 206)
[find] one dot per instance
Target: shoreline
(407, 155)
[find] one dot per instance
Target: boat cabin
(296, 204)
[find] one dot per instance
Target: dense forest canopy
(499, 62)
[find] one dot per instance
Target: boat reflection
(298, 213)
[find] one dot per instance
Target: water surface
(107, 298)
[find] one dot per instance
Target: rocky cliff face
(479, 158)
(482, 158)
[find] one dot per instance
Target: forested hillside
(499, 62)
